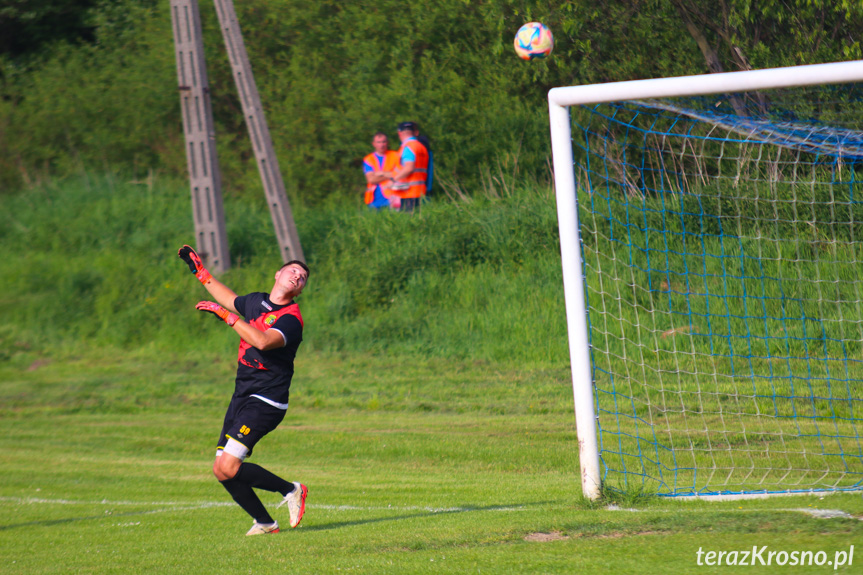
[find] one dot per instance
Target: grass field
(413, 466)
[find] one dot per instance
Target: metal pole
(205, 179)
(576, 311)
(259, 133)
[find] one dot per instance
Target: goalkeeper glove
(196, 266)
(220, 312)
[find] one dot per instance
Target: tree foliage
(333, 72)
(744, 34)
(29, 26)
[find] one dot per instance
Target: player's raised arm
(222, 293)
(263, 340)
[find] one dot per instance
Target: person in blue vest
(382, 160)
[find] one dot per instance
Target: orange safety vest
(390, 163)
(417, 178)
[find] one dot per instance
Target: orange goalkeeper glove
(220, 312)
(196, 266)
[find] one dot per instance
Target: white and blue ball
(533, 40)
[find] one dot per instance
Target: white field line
(183, 506)
(169, 506)
(816, 513)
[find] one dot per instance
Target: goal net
(720, 250)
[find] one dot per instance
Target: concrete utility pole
(211, 240)
(259, 133)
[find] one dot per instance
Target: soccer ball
(533, 40)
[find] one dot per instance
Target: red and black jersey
(268, 374)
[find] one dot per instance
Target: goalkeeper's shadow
(431, 512)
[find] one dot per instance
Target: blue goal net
(722, 249)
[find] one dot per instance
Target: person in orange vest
(409, 179)
(383, 160)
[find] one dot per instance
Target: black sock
(246, 498)
(256, 476)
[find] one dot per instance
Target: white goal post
(565, 180)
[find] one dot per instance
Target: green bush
(478, 279)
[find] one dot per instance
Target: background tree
(28, 26)
(102, 95)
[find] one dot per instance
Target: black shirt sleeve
(291, 327)
(240, 305)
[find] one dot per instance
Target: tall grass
(95, 259)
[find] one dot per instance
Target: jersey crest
(264, 322)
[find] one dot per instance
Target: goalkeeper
(270, 335)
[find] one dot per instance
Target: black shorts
(248, 420)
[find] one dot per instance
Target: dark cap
(407, 126)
